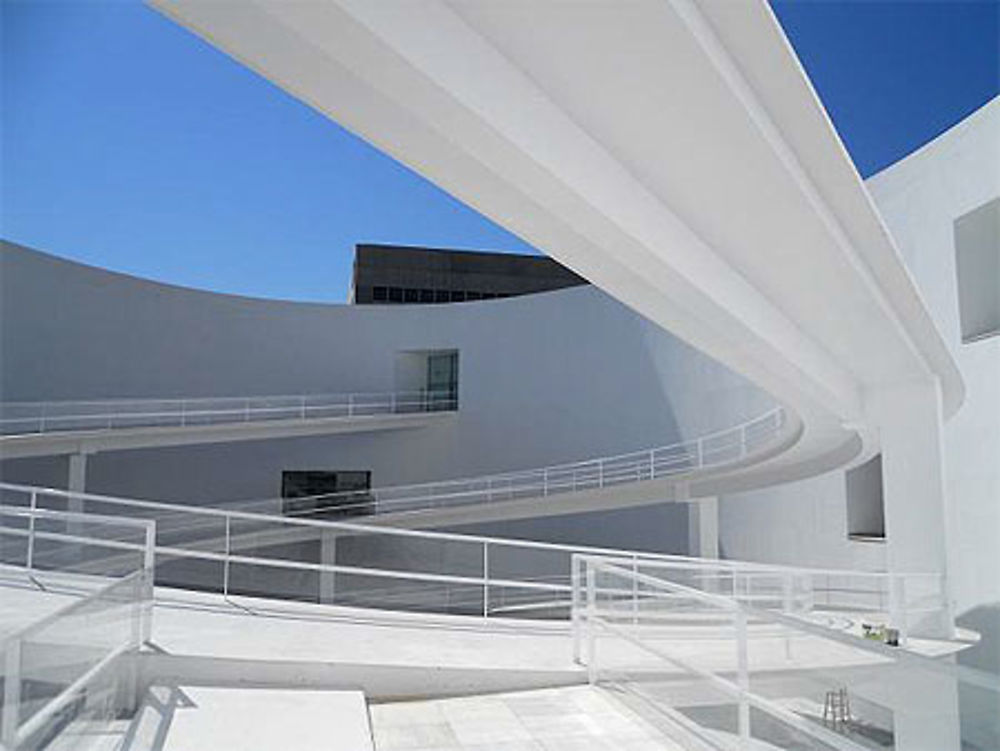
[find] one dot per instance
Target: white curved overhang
(674, 154)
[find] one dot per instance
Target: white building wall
(920, 198)
(546, 378)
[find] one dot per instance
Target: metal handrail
(48, 417)
(586, 614)
(14, 731)
(588, 474)
(744, 572)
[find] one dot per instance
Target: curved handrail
(729, 446)
(31, 418)
(244, 545)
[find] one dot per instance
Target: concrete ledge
(378, 682)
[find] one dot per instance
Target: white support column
(913, 475)
(327, 556)
(703, 528)
(77, 479)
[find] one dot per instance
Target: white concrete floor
(577, 718)
(212, 719)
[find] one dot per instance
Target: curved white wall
(545, 378)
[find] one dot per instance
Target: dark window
(395, 294)
(488, 295)
(426, 295)
(457, 295)
(411, 295)
(380, 294)
(865, 504)
(324, 493)
(473, 296)
(442, 295)
(442, 381)
(977, 266)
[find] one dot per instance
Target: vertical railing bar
(11, 692)
(31, 532)
(743, 677)
(635, 589)
(225, 562)
(486, 579)
(591, 624)
(576, 605)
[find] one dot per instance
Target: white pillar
(924, 705)
(327, 556)
(703, 528)
(77, 481)
(911, 424)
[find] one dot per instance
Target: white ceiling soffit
(673, 154)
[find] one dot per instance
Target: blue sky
(131, 144)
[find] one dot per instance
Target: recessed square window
(380, 294)
(865, 501)
(977, 266)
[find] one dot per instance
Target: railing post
(743, 678)
(576, 605)
(350, 405)
(31, 532)
(699, 454)
(786, 608)
(545, 481)
(591, 621)
(183, 412)
(149, 580)
(246, 410)
(225, 562)
(652, 463)
(486, 579)
(743, 440)
(786, 593)
(635, 590)
(302, 407)
(11, 692)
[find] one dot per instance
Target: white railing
(641, 612)
(731, 446)
(76, 652)
(234, 552)
(20, 418)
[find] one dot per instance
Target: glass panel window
(442, 380)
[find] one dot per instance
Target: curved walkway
(51, 428)
(739, 446)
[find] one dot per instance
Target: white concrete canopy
(674, 154)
